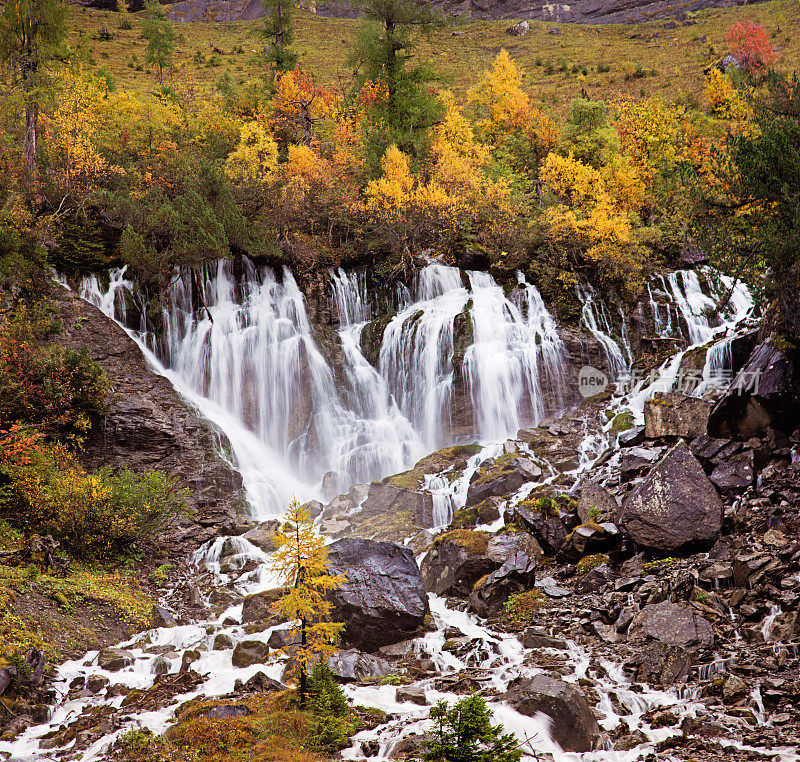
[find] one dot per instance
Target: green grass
(619, 60)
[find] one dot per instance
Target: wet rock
(574, 726)
(384, 600)
(281, 638)
(763, 395)
(458, 559)
(660, 663)
(114, 659)
(412, 693)
(636, 461)
(248, 652)
(222, 642)
(385, 497)
(532, 639)
(486, 512)
(517, 574)
(354, 666)
(258, 683)
(330, 485)
(258, 606)
(734, 689)
(631, 437)
(262, 536)
(675, 505)
(546, 526)
(596, 503)
(675, 415)
(785, 627)
(735, 475)
(672, 625)
(501, 477)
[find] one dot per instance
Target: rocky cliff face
(149, 426)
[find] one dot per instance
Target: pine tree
(279, 30)
(32, 33)
(382, 55)
(301, 563)
(123, 10)
(159, 32)
(465, 734)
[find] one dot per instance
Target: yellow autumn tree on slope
(301, 563)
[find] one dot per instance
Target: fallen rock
(763, 395)
(672, 625)
(596, 504)
(517, 574)
(384, 600)
(500, 477)
(573, 724)
(262, 536)
(676, 415)
(675, 505)
(546, 526)
(520, 29)
(736, 474)
(412, 693)
(354, 666)
(248, 652)
(114, 659)
(258, 606)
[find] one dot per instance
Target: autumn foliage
(750, 45)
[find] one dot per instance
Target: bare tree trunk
(31, 126)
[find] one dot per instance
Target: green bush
(332, 722)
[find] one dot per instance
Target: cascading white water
(512, 355)
(594, 317)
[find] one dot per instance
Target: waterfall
(595, 318)
(513, 359)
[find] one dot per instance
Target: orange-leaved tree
(301, 562)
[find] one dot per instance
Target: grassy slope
(678, 56)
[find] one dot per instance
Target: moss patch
(475, 543)
(587, 563)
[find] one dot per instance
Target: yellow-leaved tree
(255, 157)
(300, 562)
(589, 223)
(500, 103)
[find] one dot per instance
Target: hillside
(636, 60)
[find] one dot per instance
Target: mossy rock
(475, 543)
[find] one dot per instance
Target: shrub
(94, 516)
(750, 45)
(521, 607)
(332, 724)
(59, 389)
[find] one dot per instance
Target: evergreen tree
(382, 54)
(465, 734)
(159, 32)
(279, 30)
(301, 563)
(31, 36)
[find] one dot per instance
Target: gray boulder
(596, 504)
(736, 474)
(547, 527)
(573, 724)
(354, 666)
(672, 625)
(249, 652)
(261, 536)
(501, 477)
(674, 506)
(520, 29)
(384, 600)
(258, 606)
(114, 659)
(675, 415)
(517, 574)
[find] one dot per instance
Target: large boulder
(501, 477)
(458, 559)
(353, 666)
(384, 600)
(675, 415)
(573, 724)
(249, 652)
(672, 625)
(674, 506)
(258, 607)
(543, 522)
(596, 503)
(518, 573)
(763, 395)
(387, 497)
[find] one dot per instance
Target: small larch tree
(32, 33)
(278, 29)
(301, 563)
(159, 32)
